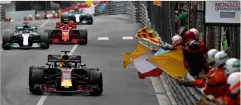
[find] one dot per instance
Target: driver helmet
(25, 26)
(66, 22)
(26, 31)
(65, 63)
(76, 8)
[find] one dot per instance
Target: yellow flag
(145, 29)
(171, 62)
(127, 58)
(88, 2)
(139, 50)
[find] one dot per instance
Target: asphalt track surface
(104, 51)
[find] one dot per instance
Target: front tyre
(35, 79)
(6, 41)
(84, 35)
(96, 80)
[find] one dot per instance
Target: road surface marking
(73, 49)
(127, 37)
(44, 23)
(42, 100)
(103, 38)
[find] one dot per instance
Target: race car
(66, 33)
(65, 74)
(25, 36)
(79, 16)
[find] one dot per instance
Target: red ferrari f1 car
(66, 33)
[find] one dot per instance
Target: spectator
(194, 59)
(182, 23)
(215, 82)
(234, 97)
(201, 43)
(176, 43)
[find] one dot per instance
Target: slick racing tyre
(49, 35)
(64, 17)
(96, 80)
(6, 39)
(35, 78)
(90, 21)
(44, 40)
(83, 34)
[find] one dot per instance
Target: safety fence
(120, 7)
(2, 13)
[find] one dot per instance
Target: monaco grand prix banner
(222, 12)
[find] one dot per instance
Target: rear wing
(57, 58)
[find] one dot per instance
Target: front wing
(17, 46)
(70, 41)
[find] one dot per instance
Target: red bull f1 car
(66, 33)
(66, 74)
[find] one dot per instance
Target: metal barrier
(2, 12)
(118, 7)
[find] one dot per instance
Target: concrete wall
(5, 2)
(10, 7)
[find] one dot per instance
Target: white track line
(73, 49)
(44, 23)
(103, 38)
(127, 37)
(42, 100)
(43, 97)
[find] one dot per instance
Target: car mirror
(48, 63)
(82, 64)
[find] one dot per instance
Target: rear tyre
(48, 33)
(96, 80)
(90, 21)
(35, 79)
(64, 17)
(45, 41)
(83, 34)
(6, 41)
